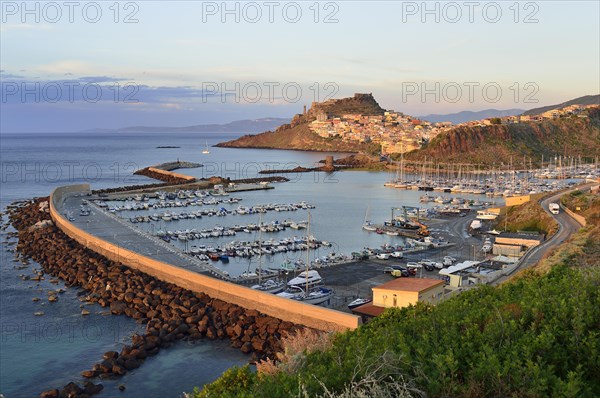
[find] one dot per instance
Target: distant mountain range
(586, 100)
(238, 126)
(467, 116)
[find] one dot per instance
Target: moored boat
(358, 302)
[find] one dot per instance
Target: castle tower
(329, 163)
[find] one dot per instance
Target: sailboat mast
(260, 249)
(307, 249)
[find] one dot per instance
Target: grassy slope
(499, 143)
(527, 217)
(534, 336)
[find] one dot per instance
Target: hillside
(585, 100)
(467, 116)
(497, 144)
(296, 135)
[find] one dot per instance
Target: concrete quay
(119, 232)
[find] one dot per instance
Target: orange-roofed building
(402, 292)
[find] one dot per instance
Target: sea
(38, 353)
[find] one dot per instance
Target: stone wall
(172, 174)
(304, 314)
(580, 219)
(517, 200)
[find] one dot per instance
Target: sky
(72, 66)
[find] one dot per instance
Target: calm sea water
(44, 352)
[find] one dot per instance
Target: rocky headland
(297, 136)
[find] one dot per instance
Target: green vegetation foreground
(536, 336)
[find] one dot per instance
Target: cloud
(67, 66)
(103, 79)
(5, 27)
(5, 75)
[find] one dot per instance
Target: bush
(537, 336)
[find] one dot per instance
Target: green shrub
(537, 336)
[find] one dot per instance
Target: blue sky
(169, 64)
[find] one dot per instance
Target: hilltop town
(396, 132)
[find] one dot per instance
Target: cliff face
(498, 143)
(297, 135)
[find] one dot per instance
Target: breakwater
(170, 312)
(131, 188)
(170, 166)
(259, 180)
(298, 169)
(290, 310)
(164, 175)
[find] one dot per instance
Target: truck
(554, 208)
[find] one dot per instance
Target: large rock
(110, 355)
(91, 388)
(70, 390)
(132, 363)
(118, 307)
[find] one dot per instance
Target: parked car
(397, 254)
(448, 261)
(412, 268)
(392, 268)
(428, 267)
(431, 263)
(383, 256)
(400, 273)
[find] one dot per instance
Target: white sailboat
(310, 294)
(270, 285)
(367, 226)
(206, 151)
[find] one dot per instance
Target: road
(567, 226)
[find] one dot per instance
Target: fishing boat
(484, 215)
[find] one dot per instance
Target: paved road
(567, 226)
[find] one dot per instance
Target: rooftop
(410, 284)
(368, 309)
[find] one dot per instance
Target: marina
(450, 178)
(350, 265)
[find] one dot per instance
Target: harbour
(350, 277)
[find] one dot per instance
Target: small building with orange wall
(402, 292)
